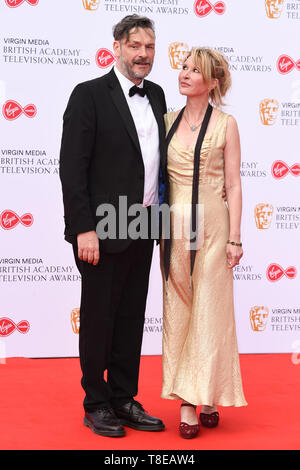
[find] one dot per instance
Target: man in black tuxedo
(112, 146)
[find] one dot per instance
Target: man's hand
(88, 247)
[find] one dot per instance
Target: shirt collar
(124, 82)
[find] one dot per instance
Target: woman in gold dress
(200, 354)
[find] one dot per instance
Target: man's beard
(130, 73)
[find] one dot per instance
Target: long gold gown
(200, 354)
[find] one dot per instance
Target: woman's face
(190, 80)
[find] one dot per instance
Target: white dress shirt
(147, 131)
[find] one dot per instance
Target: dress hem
(174, 396)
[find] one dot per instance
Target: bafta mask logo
(259, 318)
(268, 111)
(75, 320)
(177, 53)
(274, 8)
(91, 5)
(263, 215)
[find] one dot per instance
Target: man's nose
(143, 52)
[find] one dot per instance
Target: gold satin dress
(200, 353)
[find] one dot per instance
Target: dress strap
(167, 242)
(195, 191)
(174, 127)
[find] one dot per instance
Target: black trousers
(112, 312)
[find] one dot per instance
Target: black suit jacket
(100, 156)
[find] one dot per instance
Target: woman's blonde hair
(212, 65)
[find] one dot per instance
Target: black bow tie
(135, 89)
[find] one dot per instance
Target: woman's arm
(232, 158)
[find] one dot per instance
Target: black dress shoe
(133, 415)
(104, 422)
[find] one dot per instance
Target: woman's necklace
(193, 127)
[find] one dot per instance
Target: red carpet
(40, 408)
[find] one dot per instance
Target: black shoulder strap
(167, 241)
(195, 190)
(174, 127)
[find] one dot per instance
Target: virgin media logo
(285, 64)
(12, 110)
(280, 169)
(276, 272)
(104, 58)
(9, 219)
(8, 326)
(204, 7)
(17, 3)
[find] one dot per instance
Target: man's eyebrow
(139, 42)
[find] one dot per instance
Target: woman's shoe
(188, 431)
(209, 420)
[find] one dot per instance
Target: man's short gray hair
(122, 29)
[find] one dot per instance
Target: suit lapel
(122, 106)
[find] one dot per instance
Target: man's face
(135, 55)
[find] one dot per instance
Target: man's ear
(117, 48)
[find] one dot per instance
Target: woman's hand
(234, 254)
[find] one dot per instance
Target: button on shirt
(147, 131)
